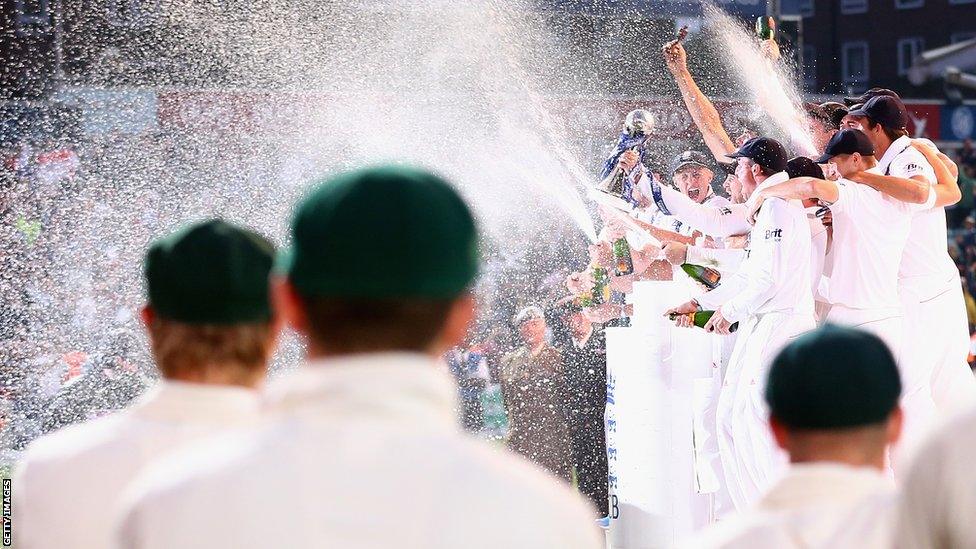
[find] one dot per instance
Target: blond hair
(188, 350)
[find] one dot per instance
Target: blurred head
(824, 121)
(365, 275)
(531, 323)
(833, 396)
(208, 312)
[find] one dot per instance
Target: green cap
(210, 272)
(831, 378)
(384, 232)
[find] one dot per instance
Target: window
(909, 4)
(32, 16)
(908, 49)
(130, 13)
(809, 67)
(849, 7)
(855, 65)
(805, 8)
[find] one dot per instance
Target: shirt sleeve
(846, 196)
(768, 260)
(730, 287)
(922, 508)
(713, 221)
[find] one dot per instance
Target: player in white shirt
(928, 279)
(771, 306)
(869, 237)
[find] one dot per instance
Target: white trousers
(751, 461)
(937, 336)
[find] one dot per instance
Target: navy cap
(833, 378)
(888, 111)
(690, 158)
(802, 166)
(847, 142)
(873, 92)
(765, 151)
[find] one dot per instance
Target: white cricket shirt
(925, 265)
(870, 234)
(779, 249)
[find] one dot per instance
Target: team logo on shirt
(774, 234)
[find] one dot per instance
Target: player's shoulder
(79, 441)
(909, 163)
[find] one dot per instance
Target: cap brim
(857, 112)
(849, 101)
(823, 159)
(679, 167)
(736, 154)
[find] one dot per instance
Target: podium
(657, 374)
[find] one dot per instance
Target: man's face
(743, 172)
(847, 164)
(851, 122)
(577, 324)
(693, 181)
(533, 331)
(733, 188)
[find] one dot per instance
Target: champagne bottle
(765, 28)
(701, 318)
(622, 257)
(705, 275)
(600, 293)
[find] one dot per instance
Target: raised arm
(714, 221)
(702, 110)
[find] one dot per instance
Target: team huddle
(855, 237)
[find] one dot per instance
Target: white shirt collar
(806, 483)
(406, 388)
(896, 148)
(184, 401)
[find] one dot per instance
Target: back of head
(379, 259)
(833, 396)
(208, 311)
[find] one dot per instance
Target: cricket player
(771, 305)
(870, 232)
(928, 279)
(363, 447)
(938, 500)
(833, 402)
(212, 333)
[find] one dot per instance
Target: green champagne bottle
(600, 293)
(765, 28)
(624, 263)
(701, 318)
(705, 275)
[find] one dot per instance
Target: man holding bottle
(771, 305)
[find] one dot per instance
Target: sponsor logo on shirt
(725, 211)
(774, 234)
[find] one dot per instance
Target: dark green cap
(210, 272)
(384, 232)
(831, 378)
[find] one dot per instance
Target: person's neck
(222, 375)
(841, 454)
(882, 145)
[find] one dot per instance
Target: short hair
(892, 133)
(763, 169)
(347, 326)
(180, 348)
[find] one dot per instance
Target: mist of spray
(768, 83)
